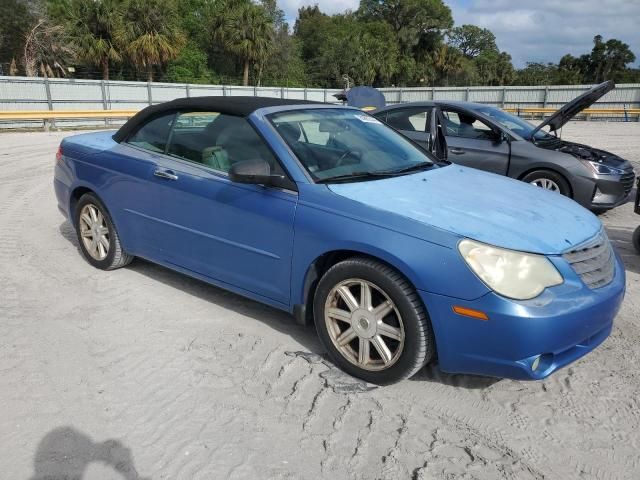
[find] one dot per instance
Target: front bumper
(604, 191)
(560, 326)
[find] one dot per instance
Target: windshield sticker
(368, 119)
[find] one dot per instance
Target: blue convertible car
(325, 212)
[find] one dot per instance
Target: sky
(531, 31)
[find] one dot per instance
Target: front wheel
(548, 180)
(636, 239)
(372, 322)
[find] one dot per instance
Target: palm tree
(446, 60)
(46, 50)
(151, 34)
(92, 24)
(248, 33)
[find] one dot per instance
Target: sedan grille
(627, 180)
(593, 261)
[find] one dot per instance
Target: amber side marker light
(470, 312)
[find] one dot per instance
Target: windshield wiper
(356, 176)
(412, 168)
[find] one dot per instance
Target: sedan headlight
(516, 275)
(602, 169)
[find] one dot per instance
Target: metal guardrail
(105, 114)
(48, 117)
(65, 114)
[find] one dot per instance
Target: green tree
(151, 34)
(472, 40)
(608, 59)
(446, 61)
(191, 66)
(90, 25)
(414, 22)
(570, 71)
(17, 20)
(248, 33)
(311, 29)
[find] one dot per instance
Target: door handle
(456, 151)
(166, 174)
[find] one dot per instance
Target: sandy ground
(145, 373)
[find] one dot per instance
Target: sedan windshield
(512, 122)
(346, 145)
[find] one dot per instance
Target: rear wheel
(548, 180)
(372, 322)
(97, 236)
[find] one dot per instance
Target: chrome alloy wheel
(547, 184)
(364, 324)
(94, 232)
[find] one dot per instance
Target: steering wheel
(357, 154)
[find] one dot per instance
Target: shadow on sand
(66, 454)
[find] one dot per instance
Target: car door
(235, 234)
(412, 122)
(474, 143)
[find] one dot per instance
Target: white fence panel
(24, 93)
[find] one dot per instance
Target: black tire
(418, 346)
(559, 180)
(115, 257)
(636, 239)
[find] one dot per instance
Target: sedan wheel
(364, 324)
(549, 180)
(547, 184)
(371, 321)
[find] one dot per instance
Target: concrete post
(104, 100)
(47, 88)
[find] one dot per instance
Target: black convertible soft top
(239, 106)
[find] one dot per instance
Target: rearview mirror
(257, 172)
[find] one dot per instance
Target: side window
(154, 134)
(460, 124)
(409, 119)
(218, 141)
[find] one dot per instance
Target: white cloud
(329, 7)
(538, 31)
(547, 29)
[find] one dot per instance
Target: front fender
(428, 266)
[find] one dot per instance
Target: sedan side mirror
(257, 172)
(500, 136)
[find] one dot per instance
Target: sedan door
(474, 143)
(237, 235)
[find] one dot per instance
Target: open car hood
(575, 106)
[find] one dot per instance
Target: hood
(585, 152)
(481, 206)
(575, 106)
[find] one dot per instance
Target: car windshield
(513, 123)
(342, 144)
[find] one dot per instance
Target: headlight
(602, 169)
(516, 275)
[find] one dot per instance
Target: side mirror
(257, 172)
(500, 136)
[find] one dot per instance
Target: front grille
(593, 261)
(627, 180)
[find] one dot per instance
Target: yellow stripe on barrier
(64, 114)
(587, 111)
(80, 114)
